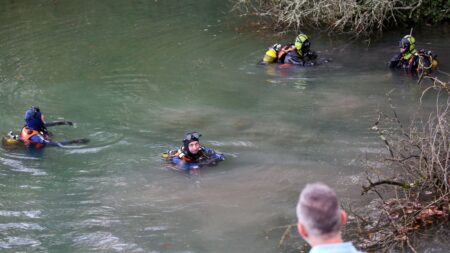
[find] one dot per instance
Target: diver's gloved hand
(220, 156)
(212, 157)
(81, 141)
(58, 123)
(311, 55)
(77, 141)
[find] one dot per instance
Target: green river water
(135, 75)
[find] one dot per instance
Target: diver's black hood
(186, 149)
(188, 138)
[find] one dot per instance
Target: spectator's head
(319, 214)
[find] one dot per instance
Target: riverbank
(354, 18)
(415, 194)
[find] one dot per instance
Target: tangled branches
(436, 84)
(419, 186)
(359, 18)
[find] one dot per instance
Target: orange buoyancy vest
(180, 154)
(27, 133)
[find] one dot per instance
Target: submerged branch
(384, 182)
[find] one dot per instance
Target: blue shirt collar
(345, 247)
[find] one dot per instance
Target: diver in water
(277, 53)
(300, 53)
(192, 155)
(412, 60)
(406, 58)
(296, 54)
(35, 134)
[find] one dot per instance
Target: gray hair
(318, 210)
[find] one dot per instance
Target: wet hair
(318, 210)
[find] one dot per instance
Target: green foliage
(432, 11)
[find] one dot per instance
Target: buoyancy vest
(407, 55)
(426, 61)
(185, 157)
(26, 135)
(283, 51)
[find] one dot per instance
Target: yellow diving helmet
(408, 43)
(302, 44)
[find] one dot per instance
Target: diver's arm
(395, 61)
(41, 140)
(58, 123)
(219, 156)
(37, 138)
(76, 141)
(211, 154)
(311, 55)
(310, 58)
(295, 62)
(295, 59)
(184, 165)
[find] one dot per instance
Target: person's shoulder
(347, 247)
(206, 150)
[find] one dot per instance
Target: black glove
(82, 141)
(311, 55)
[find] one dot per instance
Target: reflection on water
(135, 76)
